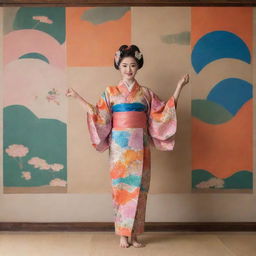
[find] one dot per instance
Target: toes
(138, 245)
(124, 245)
(124, 242)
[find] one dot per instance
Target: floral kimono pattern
(127, 123)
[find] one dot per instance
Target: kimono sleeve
(162, 122)
(99, 121)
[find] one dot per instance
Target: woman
(126, 119)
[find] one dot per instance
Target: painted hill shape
(45, 138)
(239, 180)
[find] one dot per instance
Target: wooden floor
(107, 244)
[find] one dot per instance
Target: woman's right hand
(86, 105)
(71, 93)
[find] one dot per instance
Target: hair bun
(128, 51)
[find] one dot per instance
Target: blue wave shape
(216, 45)
(124, 107)
(231, 93)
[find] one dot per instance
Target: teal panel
(50, 20)
(45, 138)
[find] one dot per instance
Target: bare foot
(124, 242)
(136, 243)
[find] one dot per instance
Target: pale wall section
(98, 206)
(165, 64)
(88, 169)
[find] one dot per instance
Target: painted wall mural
(35, 106)
(35, 56)
(41, 45)
(222, 156)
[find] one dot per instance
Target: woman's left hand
(184, 80)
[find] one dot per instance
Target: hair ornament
(138, 55)
(117, 56)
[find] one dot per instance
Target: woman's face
(128, 68)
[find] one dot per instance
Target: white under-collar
(129, 86)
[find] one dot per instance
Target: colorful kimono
(127, 122)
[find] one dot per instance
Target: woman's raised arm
(184, 80)
(85, 104)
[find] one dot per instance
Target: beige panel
(88, 169)
(165, 64)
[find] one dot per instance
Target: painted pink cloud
(16, 150)
(43, 19)
(58, 182)
(57, 167)
(26, 175)
(41, 164)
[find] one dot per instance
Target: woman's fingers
(186, 77)
(70, 92)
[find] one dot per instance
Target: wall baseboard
(109, 226)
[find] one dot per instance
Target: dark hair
(129, 51)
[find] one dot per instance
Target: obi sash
(129, 115)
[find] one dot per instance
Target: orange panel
(94, 45)
(237, 20)
(226, 148)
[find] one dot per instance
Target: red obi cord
(129, 119)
